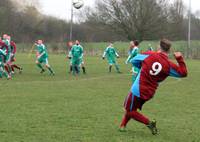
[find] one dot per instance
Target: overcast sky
(61, 8)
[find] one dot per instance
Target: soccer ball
(78, 4)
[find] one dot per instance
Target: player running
(134, 50)
(155, 67)
(77, 56)
(13, 59)
(110, 53)
(42, 57)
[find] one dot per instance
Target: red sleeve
(14, 47)
(179, 70)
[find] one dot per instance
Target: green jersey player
(42, 57)
(2, 70)
(135, 50)
(110, 53)
(77, 56)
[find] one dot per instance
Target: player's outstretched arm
(138, 59)
(104, 54)
(179, 70)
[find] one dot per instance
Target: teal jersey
(132, 54)
(77, 52)
(82, 50)
(110, 53)
(42, 50)
(2, 55)
(7, 42)
(70, 54)
(8, 55)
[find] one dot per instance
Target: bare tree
(139, 19)
(176, 20)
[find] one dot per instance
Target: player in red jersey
(155, 68)
(13, 59)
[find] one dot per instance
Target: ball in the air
(78, 4)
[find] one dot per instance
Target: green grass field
(88, 108)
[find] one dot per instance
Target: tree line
(108, 20)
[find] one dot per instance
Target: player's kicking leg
(131, 104)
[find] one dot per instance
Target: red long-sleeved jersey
(13, 47)
(155, 67)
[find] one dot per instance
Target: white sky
(61, 8)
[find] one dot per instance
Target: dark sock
(15, 66)
(40, 66)
(50, 69)
(77, 69)
(83, 68)
(12, 68)
(110, 68)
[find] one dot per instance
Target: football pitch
(37, 107)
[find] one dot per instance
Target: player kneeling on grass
(42, 57)
(155, 67)
(110, 53)
(77, 55)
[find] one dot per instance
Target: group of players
(76, 53)
(7, 57)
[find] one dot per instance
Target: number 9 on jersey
(156, 69)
